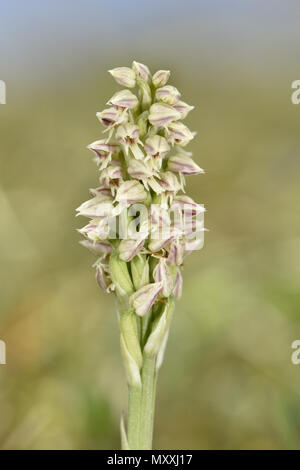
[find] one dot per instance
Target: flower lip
(111, 116)
(157, 146)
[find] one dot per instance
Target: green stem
(147, 402)
(133, 427)
(141, 403)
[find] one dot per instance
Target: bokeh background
(227, 380)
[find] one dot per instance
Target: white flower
(128, 135)
(178, 133)
(157, 146)
(123, 99)
(103, 151)
(184, 164)
(144, 298)
(98, 206)
(162, 114)
(128, 249)
(131, 192)
(111, 117)
(183, 108)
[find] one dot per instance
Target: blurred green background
(227, 380)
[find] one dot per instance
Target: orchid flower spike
(142, 225)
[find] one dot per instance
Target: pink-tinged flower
(168, 94)
(159, 217)
(103, 276)
(162, 274)
(157, 242)
(144, 298)
(169, 182)
(96, 230)
(153, 183)
(103, 151)
(176, 252)
(141, 71)
(101, 247)
(162, 114)
(157, 146)
(112, 175)
(140, 169)
(124, 76)
(186, 214)
(178, 133)
(177, 291)
(128, 135)
(123, 99)
(98, 206)
(183, 108)
(182, 201)
(100, 191)
(131, 192)
(111, 117)
(184, 164)
(160, 78)
(128, 249)
(90, 230)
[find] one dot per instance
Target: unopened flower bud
(142, 122)
(161, 114)
(184, 164)
(123, 99)
(131, 192)
(131, 366)
(178, 133)
(140, 271)
(168, 94)
(183, 108)
(141, 71)
(162, 274)
(129, 331)
(161, 77)
(159, 329)
(124, 76)
(120, 276)
(144, 298)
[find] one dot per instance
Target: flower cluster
(142, 161)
